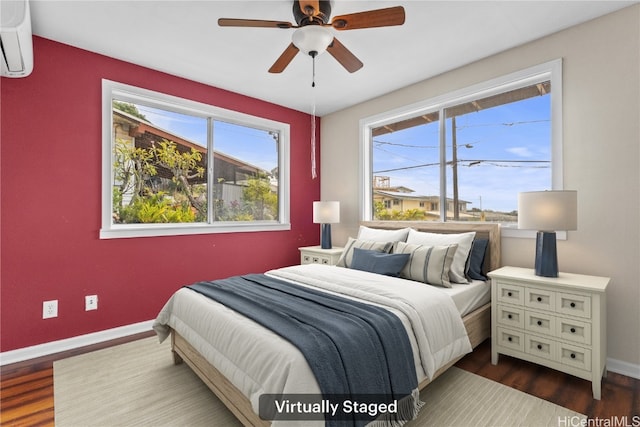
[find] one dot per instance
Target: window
(173, 166)
(465, 156)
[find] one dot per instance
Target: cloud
(520, 151)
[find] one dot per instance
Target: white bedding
(470, 296)
(258, 361)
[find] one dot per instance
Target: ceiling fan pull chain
(313, 77)
(314, 173)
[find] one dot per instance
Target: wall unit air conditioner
(15, 35)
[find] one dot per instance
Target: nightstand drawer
(512, 294)
(540, 347)
(574, 330)
(317, 255)
(540, 323)
(540, 298)
(575, 356)
(510, 339)
(315, 259)
(574, 305)
(510, 316)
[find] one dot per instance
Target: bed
(187, 316)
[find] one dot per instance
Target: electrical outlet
(50, 309)
(90, 302)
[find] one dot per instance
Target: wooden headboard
(485, 230)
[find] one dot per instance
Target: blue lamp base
(546, 254)
(325, 236)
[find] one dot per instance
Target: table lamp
(547, 212)
(326, 213)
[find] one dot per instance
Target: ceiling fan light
(312, 38)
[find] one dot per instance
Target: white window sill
(157, 230)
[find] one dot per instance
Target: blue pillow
(378, 262)
(476, 258)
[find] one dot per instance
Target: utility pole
(454, 169)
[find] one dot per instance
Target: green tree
(183, 167)
(129, 109)
(259, 198)
(133, 169)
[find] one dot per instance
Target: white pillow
(463, 240)
(428, 264)
(377, 235)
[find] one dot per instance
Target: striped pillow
(428, 264)
(347, 254)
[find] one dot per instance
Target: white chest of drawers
(556, 322)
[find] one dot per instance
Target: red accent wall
(50, 133)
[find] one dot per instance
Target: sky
(501, 151)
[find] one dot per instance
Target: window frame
(128, 93)
(551, 71)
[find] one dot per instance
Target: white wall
(601, 113)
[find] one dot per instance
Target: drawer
(541, 347)
(540, 323)
(314, 259)
(509, 293)
(574, 305)
(574, 330)
(510, 339)
(540, 299)
(574, 356)
(510, 316)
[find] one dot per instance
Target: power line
(472, 163)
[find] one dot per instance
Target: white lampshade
(326, 212)
(312, 38)
(548, 210)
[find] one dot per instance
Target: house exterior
(403, 199)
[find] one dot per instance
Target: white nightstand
(556, 322)
(317, 255)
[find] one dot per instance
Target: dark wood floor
(620, 394)
(27, 388)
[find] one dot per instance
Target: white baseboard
(624, 368)
(26, 353)
(8, 357)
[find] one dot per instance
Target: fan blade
(258, 23)
(309, 8)
(344, 56)
(287, 56)
(370, 19)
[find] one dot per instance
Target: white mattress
(469, 297)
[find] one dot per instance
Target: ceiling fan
(312, 36)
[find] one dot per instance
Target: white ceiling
(182, 38)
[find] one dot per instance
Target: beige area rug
(137, 384)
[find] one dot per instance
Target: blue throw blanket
(353, 348)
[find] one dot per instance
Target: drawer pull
(509, 339)
(573, 305)
(509, 294)
(509, 316)
(539, 299)
(539, 322)
(539, 346)
(573, 355)
(573, 330)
